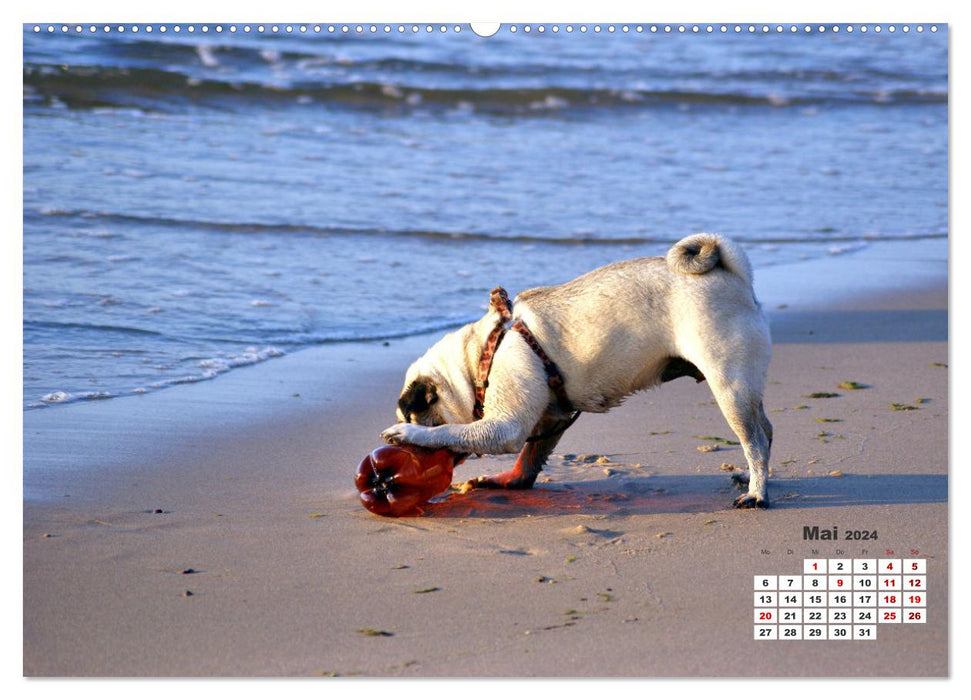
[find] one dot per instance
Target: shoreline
(635, 566)
(70, 438)
(831, 280)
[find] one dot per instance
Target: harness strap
(553, 375)
(499, 300)
(554, 378)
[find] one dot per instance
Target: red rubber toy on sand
(397, 479)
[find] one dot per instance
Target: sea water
(196, 202)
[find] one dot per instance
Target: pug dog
(619, 329)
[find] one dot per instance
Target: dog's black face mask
(416, 402)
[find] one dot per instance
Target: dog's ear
(499, 303)
(420, 395)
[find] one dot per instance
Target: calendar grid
(840, 599)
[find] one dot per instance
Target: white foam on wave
(57, 397)
(207, 56)
(392, 91)
(119, 111)
(211, 368)
(250, 356)
(847, 248)
(549, 102)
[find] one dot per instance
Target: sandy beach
(199, 531)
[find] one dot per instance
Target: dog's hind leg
(742, 480)
(530, 461)
(746, 416)
(766, 425)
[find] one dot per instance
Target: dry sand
(626, 560)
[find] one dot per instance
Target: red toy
(395, 480)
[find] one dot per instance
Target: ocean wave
(62, 326)
(414, 328)
(210, 369)
(398, 54)
(579, 238)
(85, 87)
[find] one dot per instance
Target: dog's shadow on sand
(687, 494)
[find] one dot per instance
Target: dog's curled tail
(701, 252)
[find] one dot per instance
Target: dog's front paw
(407, 434)
(748, 500)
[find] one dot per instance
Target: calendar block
(840, 616)
(914, 566)
(915, 600)
(766, 616)
(840, 583)
(840, 567)
(765, 599)
(840, 599)
(914, 583)
(889, 599)
(889, 583)
(814, 583)
(814, 632)
(814, 600)
(915, 616)
(889, 566)
(890, 617)
(814, 617)
(814, 566)
(864, 566)
(840, 632)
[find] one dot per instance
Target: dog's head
(439, 386)
(417, 403)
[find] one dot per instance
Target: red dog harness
(554, 378)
